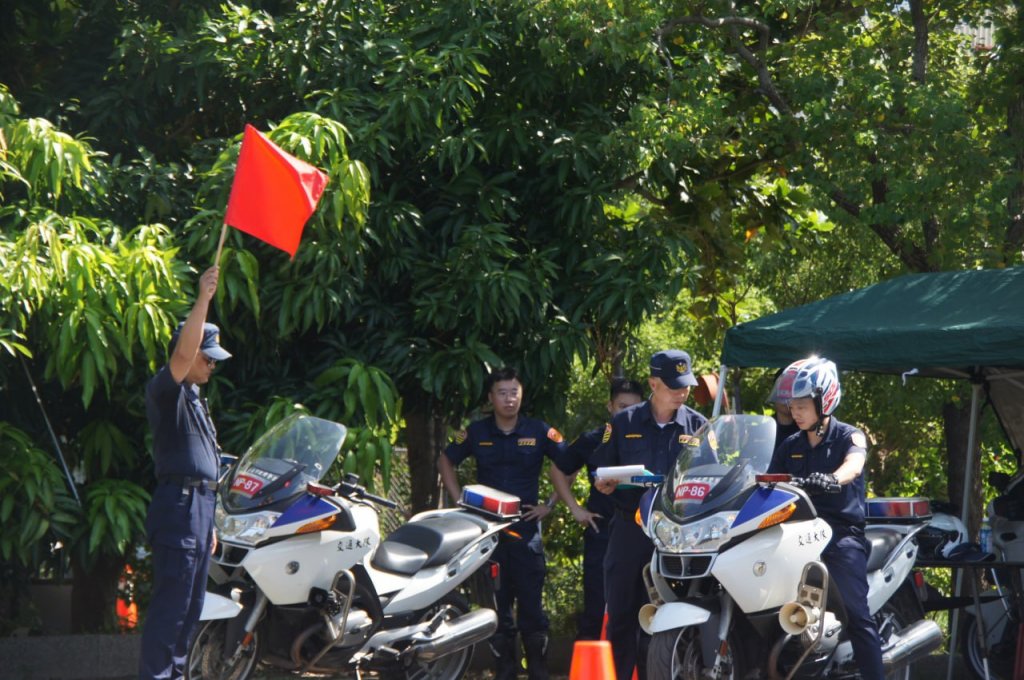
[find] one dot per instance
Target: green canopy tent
(967, 325)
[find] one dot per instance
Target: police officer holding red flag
(179, 524)
(649, 434)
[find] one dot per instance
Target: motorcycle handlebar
(802, 482)
(349, 489)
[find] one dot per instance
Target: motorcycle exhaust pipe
(912, 644)
(646, 617)
(466, 630)
(795, 617)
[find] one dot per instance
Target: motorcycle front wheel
(206, 655)
(676, 655)
(451, 666)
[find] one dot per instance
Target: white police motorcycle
(303, 582)
(736, 584)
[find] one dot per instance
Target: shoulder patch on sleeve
(460, 436)
(555, 436)
(607, 433)
(859, 439)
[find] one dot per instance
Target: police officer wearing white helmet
(826, 451)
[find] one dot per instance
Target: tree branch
(919, 69)
(632, 183)
(734, 24)
(1014, 239)
(911, 255)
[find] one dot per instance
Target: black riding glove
(819, 482)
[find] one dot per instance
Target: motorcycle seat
(424, 543)
(882, 543)
(399, 558)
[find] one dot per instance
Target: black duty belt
(189, 482)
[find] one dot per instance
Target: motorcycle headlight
(707, 535)
(244, 528)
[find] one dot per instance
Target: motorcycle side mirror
(999, 481)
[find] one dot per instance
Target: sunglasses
(212, 363)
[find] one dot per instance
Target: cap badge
(681, 367)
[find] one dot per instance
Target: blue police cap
(210, 345)
(673, 367)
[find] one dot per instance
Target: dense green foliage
(562, 185)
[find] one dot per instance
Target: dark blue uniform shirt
(633, 437)
(579, 454)
(509, 462)
(795, 456)
(184, 439)
(784, 432)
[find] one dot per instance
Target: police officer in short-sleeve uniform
(649, 434)
(599, 509)
(510, 450)
(179, 524)
(827, 452)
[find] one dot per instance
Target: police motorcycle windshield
(717, 465)
(298, 450)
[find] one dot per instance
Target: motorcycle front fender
(218, 607)
(678, 615)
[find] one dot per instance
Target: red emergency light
(490, 501)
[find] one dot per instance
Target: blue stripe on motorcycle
(305, 508)
(761, 502)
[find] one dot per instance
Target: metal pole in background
(53, 437)
(972, 443)
(717, 408)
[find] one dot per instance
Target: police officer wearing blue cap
(827, 452)
(179, 524)
(649, 434)
(598, 511)
(510, 450)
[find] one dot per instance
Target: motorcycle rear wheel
(449, 667)
(205, 656)
(1000, 655)
(676, 655)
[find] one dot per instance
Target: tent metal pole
(972, 453)
(717, 408)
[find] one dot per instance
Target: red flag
(273, 193)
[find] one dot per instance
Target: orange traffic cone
(592, 660)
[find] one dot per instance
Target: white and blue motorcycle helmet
(942, 535)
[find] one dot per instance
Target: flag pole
(220, 245)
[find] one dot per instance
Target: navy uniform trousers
(180, 530)
(846, 558)
(629, 550)
(521, 583)
(595, 546)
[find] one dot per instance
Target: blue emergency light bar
(491, 501)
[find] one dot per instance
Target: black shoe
(503, 647)
(536, 647)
